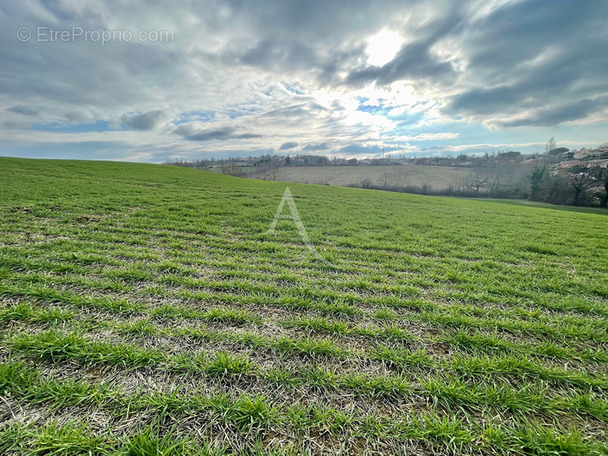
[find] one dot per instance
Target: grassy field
(438, 178)
(144, 310)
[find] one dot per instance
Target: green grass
(144, 310)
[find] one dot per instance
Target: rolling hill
(146, 309)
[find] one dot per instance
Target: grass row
(252, 415)
(439, 388)
(450, 316)
(372, 290)
(490, 355)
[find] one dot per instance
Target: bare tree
(550, 145)
(603, 178)
(460, 184)
(384, 180)
(400, 175)
(581, 179)
(395, 178)
(269, 171)
(476, 182)
(495, 185)
(231, 168)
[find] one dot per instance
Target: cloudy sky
(158, 80)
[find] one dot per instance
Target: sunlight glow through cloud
(383, 47)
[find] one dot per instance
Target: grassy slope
(438, 178)
(143, 309)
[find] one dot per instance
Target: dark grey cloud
(325, 38)
(556, 114)
(483, 101)
(520, 31)
(79, 116)
(275, 54)
(315, 147)
(194, 133)
(413, 61)
(296, 110)
(288, 145)
(70, 74)
(144, 121)
(316, 19)
(17, 124)
(531, 55)
(416, 60)
(24, 110)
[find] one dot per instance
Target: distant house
(601, 152)
(571, 164)
(603, 163)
